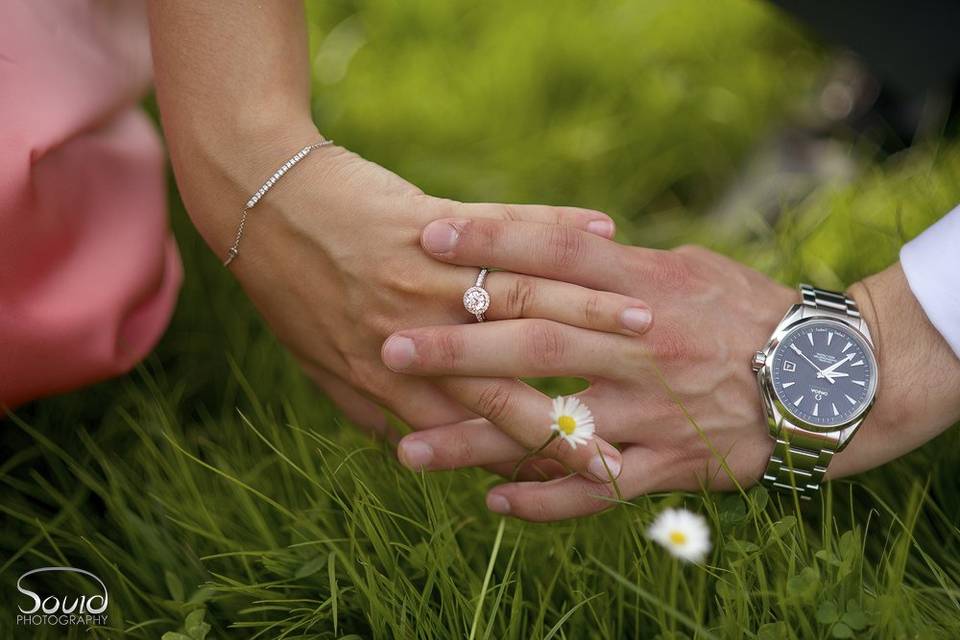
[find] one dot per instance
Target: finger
(479, 443)
(514, 348)
(573, 497)
(470, 443)
(595, 222)
(552, 251)
(419, 403)
(534, 470)
(515, 296)
(523, 413)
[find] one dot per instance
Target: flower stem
(486, 579)
(530, 454)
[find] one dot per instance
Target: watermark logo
(44, 607)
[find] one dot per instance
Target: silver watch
(818, 380)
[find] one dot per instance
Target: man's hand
(681, 399)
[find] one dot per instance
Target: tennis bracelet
(234, 250)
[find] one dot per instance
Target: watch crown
(759, 359)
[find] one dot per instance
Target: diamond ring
(476, 300)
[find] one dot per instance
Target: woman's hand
(331, 258)
(682, 398)
(331, 255)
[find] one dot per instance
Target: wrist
(919, 376)
(218, 167)
(256, 148)
(241, 148)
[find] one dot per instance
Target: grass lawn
(215, 478)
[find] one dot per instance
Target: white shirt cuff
(931, 262)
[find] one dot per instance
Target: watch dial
(824, 373)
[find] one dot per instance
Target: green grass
(216, 477)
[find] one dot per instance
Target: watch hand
(819, 372)
(830, 369)
(835, 374)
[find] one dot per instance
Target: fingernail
(636, 319)
(399, 352)
(415, 454)
(604, 467)
(497, 503)
(603, 228)
(440, 237)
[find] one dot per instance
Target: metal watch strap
(794, 466)
(829, 301)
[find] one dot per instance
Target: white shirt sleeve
(931, 262)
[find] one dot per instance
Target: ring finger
(513, 295)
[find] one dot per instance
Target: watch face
(824, 373)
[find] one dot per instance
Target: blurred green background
(215, 481)
(625, 107)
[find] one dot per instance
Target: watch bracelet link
(796, 468)
(793, 467)
(823, 300)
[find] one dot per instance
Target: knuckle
(509, 213)
(520, 297)
(404, 284)
(571, 458)
(692, 250)
(661, 413)
(443, 207)
(593, 310)
(539, 509)
(364, 376)
(543, 343)
(671, 346)
(669, 270)
(382, 324)
(463, 451)
(399, 280)
(495, 402)
(485, 233)
(566, 244)
(447, 349)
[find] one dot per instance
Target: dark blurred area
(910, 54)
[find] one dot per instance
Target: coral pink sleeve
(89, 271)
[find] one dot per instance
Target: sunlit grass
(216, 477)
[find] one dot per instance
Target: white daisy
(572, 420)
(684, 534)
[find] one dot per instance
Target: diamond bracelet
(234, 250)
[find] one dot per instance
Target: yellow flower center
(567, 425)
(678, 537)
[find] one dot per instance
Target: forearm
(919, 393)
(233, 86)
(224, 68)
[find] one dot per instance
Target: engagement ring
(476, 300)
